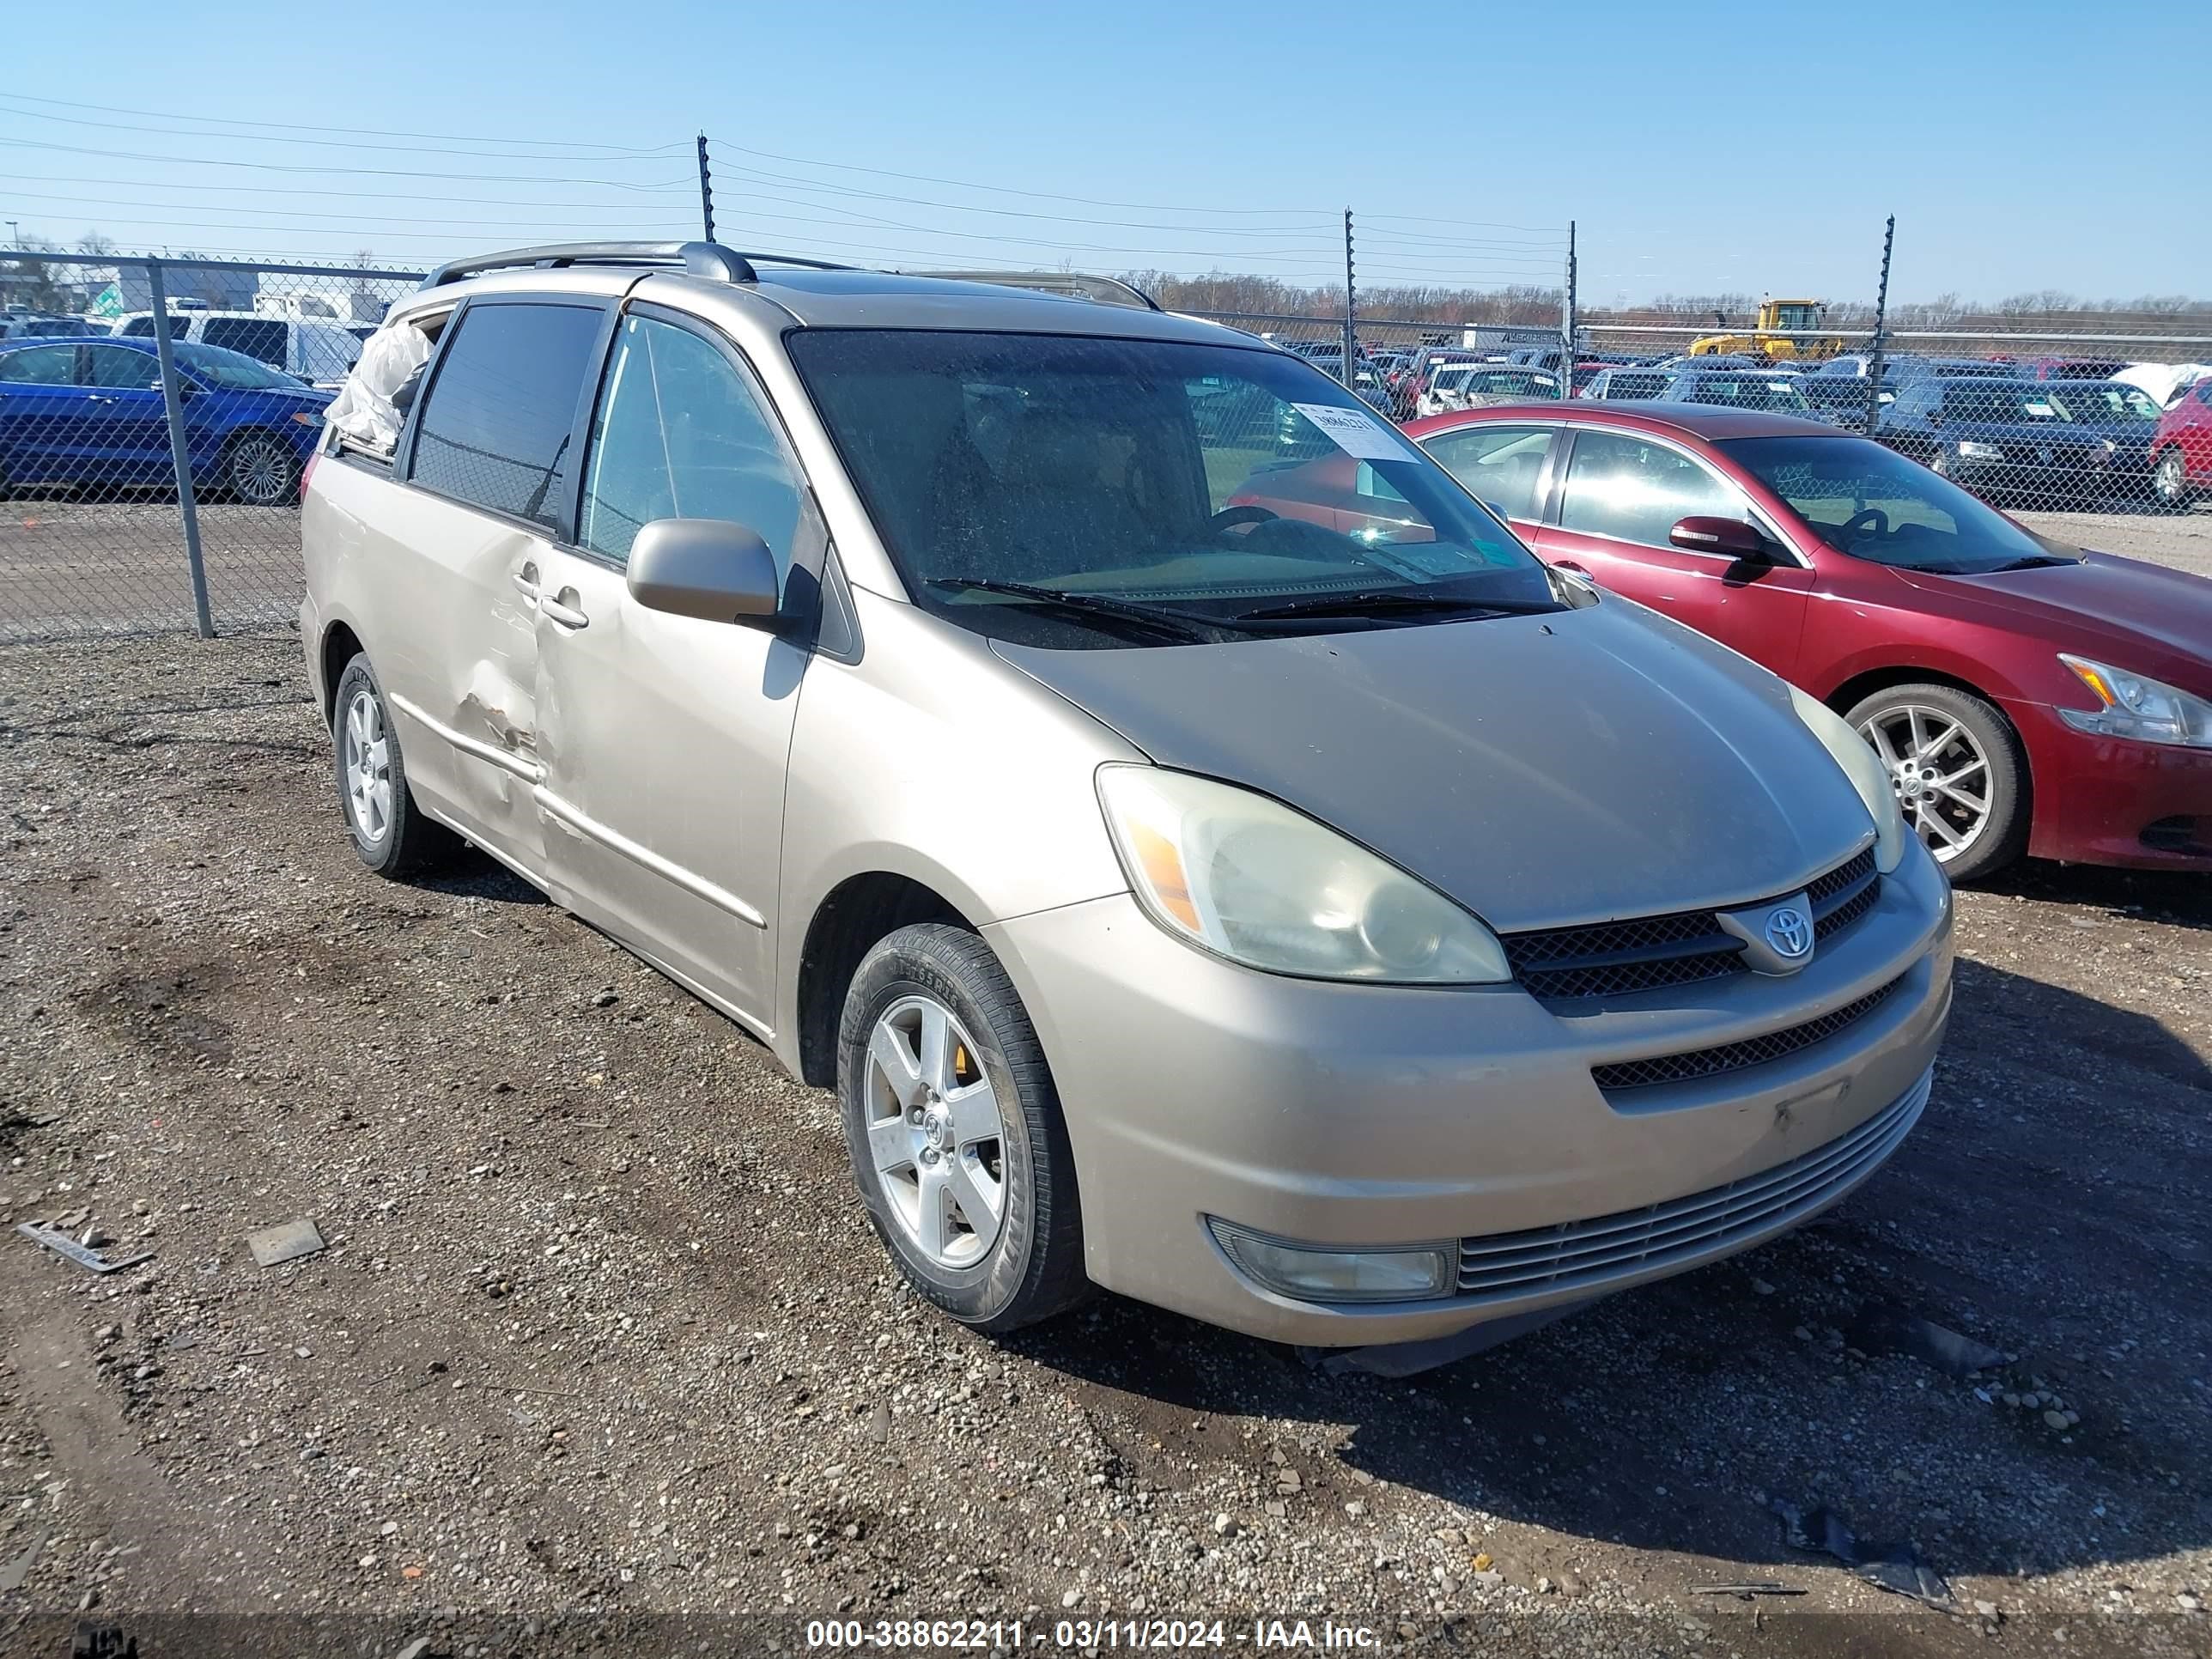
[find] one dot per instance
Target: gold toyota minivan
(1333, 924)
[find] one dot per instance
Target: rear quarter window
(260, 337)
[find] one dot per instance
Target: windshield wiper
(1397, 603)
(1175, 625)
(2034, 561)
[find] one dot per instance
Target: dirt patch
(601, 1350)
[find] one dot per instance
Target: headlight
(1247, 878)
(2131, 706)
(1865, 770)
(1974, 452)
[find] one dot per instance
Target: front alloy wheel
(934, 1133)
(1956, 765)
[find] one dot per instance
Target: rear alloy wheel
(2169, 480)
(390, 833)
(1956, 768)
(263, 471)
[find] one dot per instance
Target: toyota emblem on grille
(1790, 932)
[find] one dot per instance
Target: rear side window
(493, 430)
(680, 434)
(261, 337)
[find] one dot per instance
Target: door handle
(1569, 564)
(97, 399)
(525, 583)
(564, 610)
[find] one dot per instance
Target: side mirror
(708, 568)
(1731, 539)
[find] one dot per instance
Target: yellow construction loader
(1785, 332)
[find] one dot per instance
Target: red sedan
(2181, 448)
(2026, 697)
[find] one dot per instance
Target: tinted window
(1499, 465)
(2030, 406)
(144, 326)
(39, 366)
(1619, 485)
(257, 337)
(118, 367)
(233, 371)
(1748, 391)
(680, 434)
(495, 429)
(1635, 386)
(2110, 404)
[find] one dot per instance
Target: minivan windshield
(1074, 490)
(1871, 502)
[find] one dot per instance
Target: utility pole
(706, 191)
(1881, 321)
(1567, 321)
(1350, 340)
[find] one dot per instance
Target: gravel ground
(600, 1343)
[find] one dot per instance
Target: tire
(391, 834)
(1985, 751)
(260, 469)
(2169, 478)
(936, 1162)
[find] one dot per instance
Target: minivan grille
(1588, 1253)
(1734, 1056)
(1612, 959)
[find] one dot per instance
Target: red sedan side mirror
(1731, 539)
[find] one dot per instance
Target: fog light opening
(1318, 1272)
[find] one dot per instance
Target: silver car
(1210, 858)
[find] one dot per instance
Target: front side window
(1210, 480)
(39, 366)
(680, 434)
(1635, 490)
(1498, 465)
(115, 367)
(495, 427)
(1872, 503)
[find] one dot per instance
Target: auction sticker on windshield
(1355, 432)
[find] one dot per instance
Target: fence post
(706, 191)
(1350, 376)
(179, 452)
(1880, 318)
(1567, 322)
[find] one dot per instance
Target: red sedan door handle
(1569, 564)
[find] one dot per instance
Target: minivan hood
(2138, 616)
(1578, 766)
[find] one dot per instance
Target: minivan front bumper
(1197, 1092)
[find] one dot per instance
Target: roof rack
(696, 259)
(1075, 284)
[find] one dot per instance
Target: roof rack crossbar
(1070, 284)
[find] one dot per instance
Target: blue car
(89, 413)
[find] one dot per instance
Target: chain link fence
(2109, 425)
(123, 376)
(156, 415)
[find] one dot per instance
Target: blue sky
(1699, 147)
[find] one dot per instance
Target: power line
(1001, 190)
(325, 192)
(331, 144)
(297, 127)
(379, 172)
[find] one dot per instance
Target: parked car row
(88, 414)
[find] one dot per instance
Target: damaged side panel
(458, 658)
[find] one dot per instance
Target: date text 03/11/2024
(1088, 1633)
